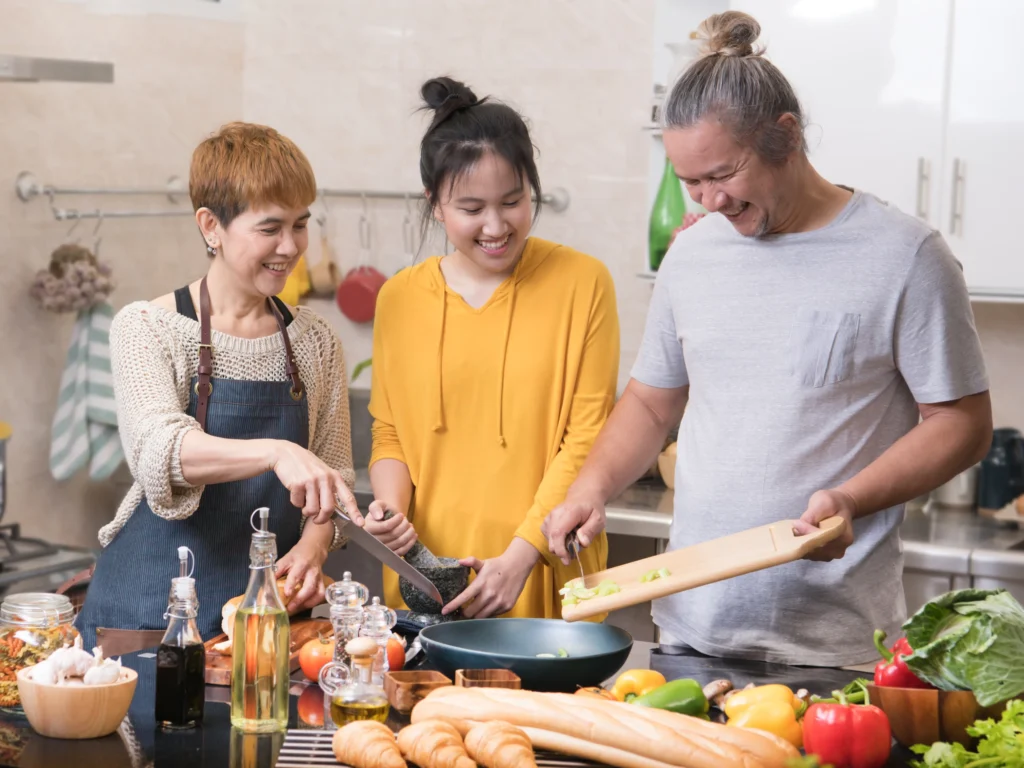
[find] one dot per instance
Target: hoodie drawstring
(504, 356)
(439, 420)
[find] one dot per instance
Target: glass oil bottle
(261, 643)
(181, 657)
(360, 698)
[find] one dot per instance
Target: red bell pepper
(847, 735)
(892, 671)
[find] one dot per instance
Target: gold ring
(296, 394)
(209, 386)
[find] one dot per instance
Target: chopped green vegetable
(660, 573)
(574, 591)
(562, 653)
(970, 640)
(1001, 744)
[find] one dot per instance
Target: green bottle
(666, 215)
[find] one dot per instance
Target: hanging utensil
(357, 294)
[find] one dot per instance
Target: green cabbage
(970, 640)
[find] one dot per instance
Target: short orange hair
(245, 165)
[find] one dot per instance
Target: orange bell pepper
(636, 682)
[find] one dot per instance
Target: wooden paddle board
(218, 664)
(700, 564)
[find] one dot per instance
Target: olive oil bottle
(261, 643)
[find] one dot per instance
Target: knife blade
(573, 545)
(382, 552)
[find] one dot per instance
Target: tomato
(396, 652)
(314, 654)
(311, 706)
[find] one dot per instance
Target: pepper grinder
(377, 623)
(346, 598)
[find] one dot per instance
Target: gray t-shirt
(806, 355)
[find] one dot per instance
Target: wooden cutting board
(704, 563)
(218, 665)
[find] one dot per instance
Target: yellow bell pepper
(747, 697)
(773, 708)
(774, 716)
(636, 682)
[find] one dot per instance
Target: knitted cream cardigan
(154, 354)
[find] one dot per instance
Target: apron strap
(290, 366)
(204, 388)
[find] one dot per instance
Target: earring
(210, 249)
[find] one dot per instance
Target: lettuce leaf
(970, 640)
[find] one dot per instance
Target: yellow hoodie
(494, 409)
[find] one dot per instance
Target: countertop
(140, 744)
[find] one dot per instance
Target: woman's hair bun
(732, 33)
(446, 94)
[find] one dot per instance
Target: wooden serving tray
(704, 563)
(218, 665)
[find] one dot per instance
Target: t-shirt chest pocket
(822, 346)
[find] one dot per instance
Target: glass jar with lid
(32, 626)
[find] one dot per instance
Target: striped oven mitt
(85, 425)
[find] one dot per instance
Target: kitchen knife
(573, 545)
(381, 551)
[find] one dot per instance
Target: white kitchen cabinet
(983, 172)
(871, 79)
(921, 103)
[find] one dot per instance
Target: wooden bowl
(405, 689)
(924, 716)
(487, 678)
(76, 711)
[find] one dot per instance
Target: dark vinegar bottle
(181, 658)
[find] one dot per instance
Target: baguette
(771, 750)
(570, 745)
(621, 727)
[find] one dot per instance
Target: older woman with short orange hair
(227, 400)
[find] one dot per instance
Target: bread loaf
(663, 737)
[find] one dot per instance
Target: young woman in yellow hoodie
(494, 368)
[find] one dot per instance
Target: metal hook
(96, 231)
(323, 217)
(77, 220)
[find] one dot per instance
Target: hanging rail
(27, 187)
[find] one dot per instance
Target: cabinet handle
(956, 218)
(924, 177)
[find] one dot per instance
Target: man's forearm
(628, 445)
(943, 444)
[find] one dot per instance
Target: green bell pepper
(684, 697)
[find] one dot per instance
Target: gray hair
(733, 83)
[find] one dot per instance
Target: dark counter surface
(139, 743)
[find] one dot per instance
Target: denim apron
(131, 584)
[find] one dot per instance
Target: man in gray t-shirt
(806, 329)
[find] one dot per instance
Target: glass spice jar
(32, 626)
